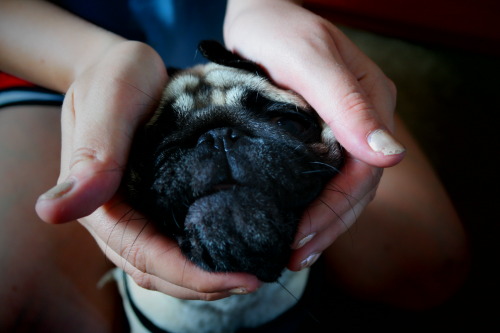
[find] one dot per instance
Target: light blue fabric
(175, 27)
(29, 96)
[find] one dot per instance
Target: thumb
(100, 114)
(94, 178)
(357, 101)
(359, 111)
(346, 88)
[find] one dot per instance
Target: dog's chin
(239, 229)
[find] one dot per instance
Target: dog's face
(227, 165)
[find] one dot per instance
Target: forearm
(47, 45)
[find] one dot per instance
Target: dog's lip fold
(224, 186)
(219, 232)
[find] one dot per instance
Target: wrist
(102, 44)
(236, 7)
(243, 18)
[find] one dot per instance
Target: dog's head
(228, 163)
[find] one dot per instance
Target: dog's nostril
(220, 138)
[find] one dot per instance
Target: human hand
(101, 111)
(309, 55)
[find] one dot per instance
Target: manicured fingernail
(238, 291)
(58, 191)
(309, 261)
(383, 142)
(304, 241)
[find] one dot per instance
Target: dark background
(448, 95)
(449, 98)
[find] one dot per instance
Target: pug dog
(226, 166)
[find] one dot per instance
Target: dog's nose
(221, 138)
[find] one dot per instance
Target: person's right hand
(101, 111)
(309, 55)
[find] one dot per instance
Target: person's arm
(110, 85)
(44, 45)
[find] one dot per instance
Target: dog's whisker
(307, 311)
(120, 220)
(328, 166)
(312, 171)
(146, 222)
(339, 217)
(138, 89)
(348, 198)
(177, 224)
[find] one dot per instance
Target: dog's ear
(216, 52)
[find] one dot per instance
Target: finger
(350, 93)
(340, 195)
(133, 244)
(354, 98)
(335, 210)
(99, 120)
(170, 289)
(306, 255)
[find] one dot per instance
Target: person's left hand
(101, 110)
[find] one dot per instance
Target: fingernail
(304, 241)
(310, 260)
(58, 191)
(383, 142)
(238, 291)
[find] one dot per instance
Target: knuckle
(204, 289)
(210, 297)
(376, 177)
(205, 284)
(133, 255)
(143, 280)
(391, 86)
(83, 154)
(68, 109)
(372, 194)
(355, 102)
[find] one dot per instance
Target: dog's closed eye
(293, 124)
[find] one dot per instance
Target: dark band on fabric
(290, 321)
(148, 324)
(29, 96)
